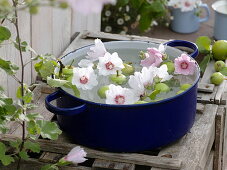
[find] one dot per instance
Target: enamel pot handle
(182, 43)
(62, 111)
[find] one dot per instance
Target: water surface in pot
(128, 51)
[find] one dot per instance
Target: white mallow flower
(120, 96)
(84, 78)
(76, 155)
(139, 81)
(162, 48)
(162, 72)
(85, 63)
(136, 83)
(109, 64)
(97, 51)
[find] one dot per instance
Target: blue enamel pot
(126, 128)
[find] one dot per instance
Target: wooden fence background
(50, 31)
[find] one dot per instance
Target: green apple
(185, 86)
(140, 102)
(118, 79)
(162, 87)
(219, 65)
(219, 50)
(180, 91)
(102, 91)
(170, 66)
(128, 70)
(216, 78)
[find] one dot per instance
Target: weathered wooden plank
(61, 30)
(194, 148)
(33, 164)
(219, 137)
(139, 159)
(200, 108)
(224, 98)
(98, 163)
(49, 157)
(209, 164)
(204, 87)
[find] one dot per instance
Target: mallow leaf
(34, 147)
(49, 130)
(5, 33)
(204, 62)
(224, 71)
(8, 67)
(5, 159)
(56, 82)
(204, 44)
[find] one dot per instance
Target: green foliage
(224, 71)
(50, 167)
(133, 13)
(8, 67)
(5, 159)
(48, 129)
(204, 62)
(34, 147)
(46, 66)
(5, 34)
(56, 82)
(204, 44)
(23, 155)
(153, 94)
(28, 95)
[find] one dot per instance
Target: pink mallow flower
(153, 57)
(98, 50)
(89, 6)
(76, 155)
(184, 65)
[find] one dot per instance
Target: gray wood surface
(219, 137)
(98, 163)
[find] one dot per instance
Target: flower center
(187, 4)
(184, 65)
(83, 80)
(109, 66)
(119, 99)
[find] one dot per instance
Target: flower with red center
(109, 64)
(119, 99)
(184, 65)
(120, 96)
(76, 155)
(84, 78)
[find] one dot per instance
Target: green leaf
(204, 44)
(23, 155)
(56, 82)
(74, 88)
(8, 67)
(49, 130)
(5, 159)
(34, 116)
(34, 147)
(145, 22)
(28, 94)
(153, 94)
(33, 10)
(136, 3)
(204, 62)
(224, 71)
(5, 33)
(122, 3)
(15, 144)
